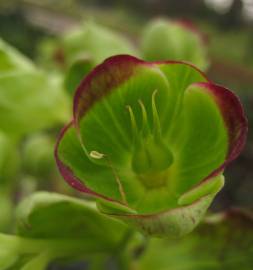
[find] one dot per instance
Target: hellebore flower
(150, 140)
(179, 40)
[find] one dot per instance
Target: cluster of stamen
(151, 156)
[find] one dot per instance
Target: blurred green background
(31, 26)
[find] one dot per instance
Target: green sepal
(210, 186)
(109, 207)
(173, 223)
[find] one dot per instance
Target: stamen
(156, 119)
(133, 122)
(145, 125)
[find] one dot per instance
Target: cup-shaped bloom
(151, 141)
(179, 40)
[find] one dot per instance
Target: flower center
(151, 156)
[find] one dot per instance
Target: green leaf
(153, 137)
(43, 215)
(29, 99)
(6, 259)
(173, 40)
(11, 60)
(52, 226)
(25, 105)
(8, 254)
(223, 241)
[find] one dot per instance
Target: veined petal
(101, 104)
(234, 118)
(208, 133)
(74, 165)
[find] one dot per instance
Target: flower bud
(179, 40)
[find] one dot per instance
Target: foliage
(24, 90)
(39, 239)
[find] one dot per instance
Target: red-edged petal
(67, 173)
(102, 80)
(234, 118)
(117, 69)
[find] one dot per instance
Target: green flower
(150, 140)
